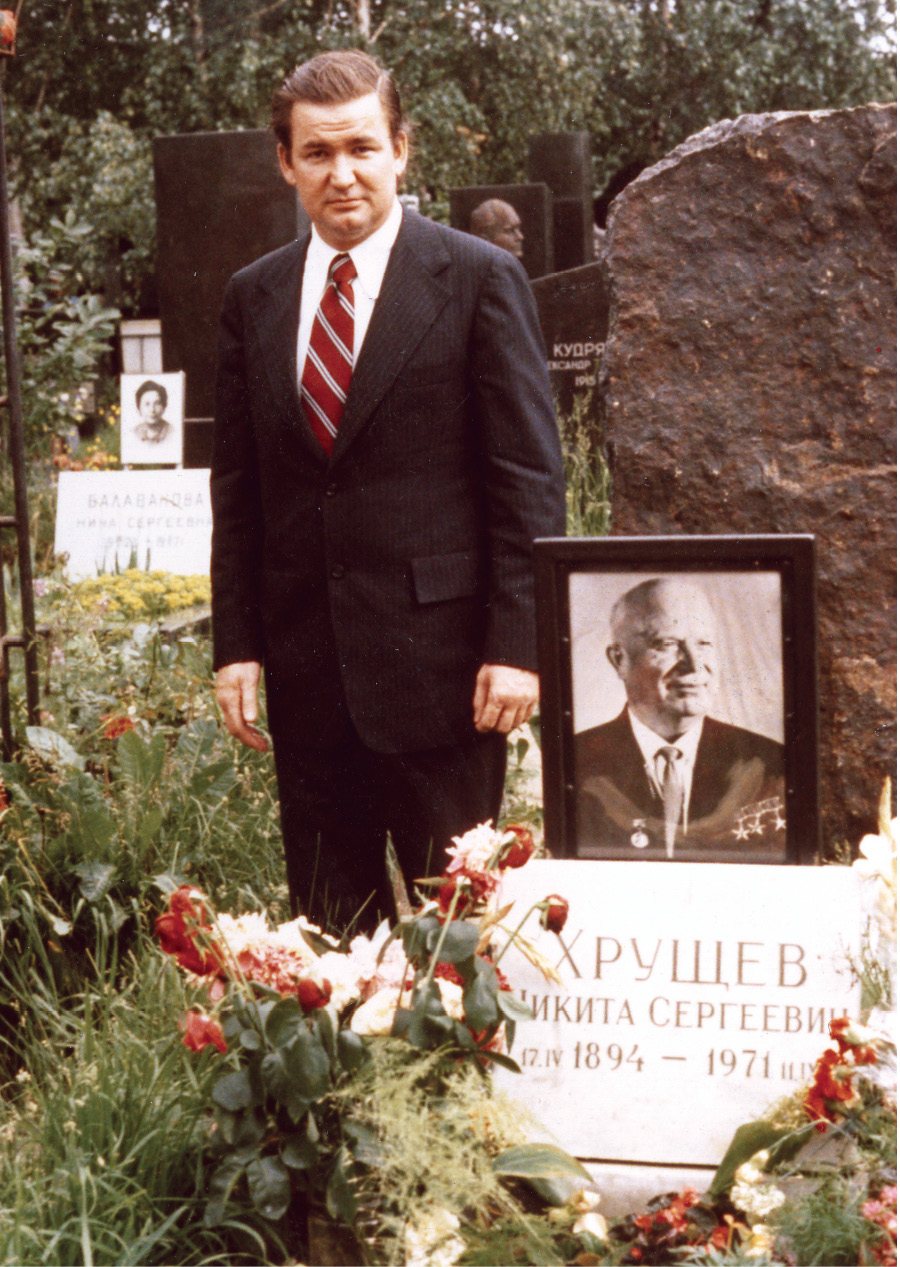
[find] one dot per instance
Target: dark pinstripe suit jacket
(377, 581)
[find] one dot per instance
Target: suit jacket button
(331, 490)
(337, 571)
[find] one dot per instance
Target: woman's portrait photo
(152, 419)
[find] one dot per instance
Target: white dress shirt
(371, 260)
(650, 743)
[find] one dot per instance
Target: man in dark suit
(385, 453)
(663, 779)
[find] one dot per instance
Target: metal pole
(17, 441)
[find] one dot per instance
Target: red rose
(114, 727)
(520, 849)
(312, 995)
(554, 914)
(200, 1031)
(4, 796)
(179, 928)
(7, 27)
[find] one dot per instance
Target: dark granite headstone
(573, 309)
(562, 160)
(750, 386)
(534, 206)
(221, 203)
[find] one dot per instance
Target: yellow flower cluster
(136, 595)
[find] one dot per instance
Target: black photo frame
(759, 592)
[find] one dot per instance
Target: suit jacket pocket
(442, 576)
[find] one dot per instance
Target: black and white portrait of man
(679, 723)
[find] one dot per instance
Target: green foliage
(588, 480)
(825, 1226)
(63, 330)
(94, 83)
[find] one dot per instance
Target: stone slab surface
(750, 385)
(692, 997)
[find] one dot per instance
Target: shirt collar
(370, 256)
(650, 742)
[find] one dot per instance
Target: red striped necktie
(329, 358)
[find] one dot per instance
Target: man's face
(666, 657)
(151, 407)
(344, 166)
(507, 232)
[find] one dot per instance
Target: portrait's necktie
(329, 358)
(672, 793)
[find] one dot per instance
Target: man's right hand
(236, 688)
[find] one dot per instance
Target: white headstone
(695, 995)
(158, 520)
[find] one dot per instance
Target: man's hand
(236, 687)
(504, 697)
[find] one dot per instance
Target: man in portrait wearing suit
(385, 453)
(664, 779)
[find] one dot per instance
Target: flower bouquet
(291, 1014)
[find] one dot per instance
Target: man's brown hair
(333, 79)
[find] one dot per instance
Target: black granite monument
(574, 312)
(534, 206)
(562, 160)
(221, 203)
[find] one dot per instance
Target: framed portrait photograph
(152, 419)
(678, 698)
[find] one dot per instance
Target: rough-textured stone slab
(750, 384)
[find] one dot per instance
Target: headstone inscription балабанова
(157, 519)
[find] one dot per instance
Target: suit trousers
(338, 805)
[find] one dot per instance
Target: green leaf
(284, 1022)
(95, 879)
(327, 1025)
(270, 1186)
(499, 1058)
(233, 1091)
(315, 1067)
(364, 1143)
(551, 1171)
(339, 1199)
(281, 1078)
(460, 942)
(134, 759)
(352, 1051)
(512, 1007)
(480, 1003)
(221, 1186)
(53, 749)
(747, 1140)
(299, 1152)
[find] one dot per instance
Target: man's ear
(616, 655)
(283, 162)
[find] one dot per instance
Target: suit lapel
(412, 294)
(276, 316)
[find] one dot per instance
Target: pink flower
(200, 1031)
